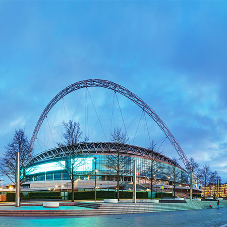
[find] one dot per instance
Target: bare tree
(204, 175)
(153, 167)
(194, 167)
(215, 180)
(72, 137)
(20, 144)
(72, 133)
(115, 161)
(174, 174)
(214, 177)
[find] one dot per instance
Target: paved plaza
(206, 217)
(192, 213)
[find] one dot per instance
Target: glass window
(66, 176)
(42, 178)
(39, 178)
(58, 176)
(49, 176)
(82, 164)
(51, 166)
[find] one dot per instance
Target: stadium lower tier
(105, 161)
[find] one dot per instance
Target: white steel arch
(121, 90)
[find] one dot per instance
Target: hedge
(91, 195)
(163, 194)
(33, 195)
(142, 195)
(129, 195)
(10, 196)
(107, 195)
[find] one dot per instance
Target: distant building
(211, 190)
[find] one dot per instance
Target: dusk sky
(172, 54)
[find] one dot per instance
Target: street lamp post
(134, 181)
(2, 189)
(95, 177)
(17, 202)
(2, 185)
(191, 185)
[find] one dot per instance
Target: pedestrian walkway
(93, 209)
(189, 218)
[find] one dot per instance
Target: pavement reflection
(207, 217)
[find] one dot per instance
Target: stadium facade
(51, 168)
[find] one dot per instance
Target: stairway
(111, 208)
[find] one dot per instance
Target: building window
(66, 176)
(39, 178)
(57, 176)
(49, 177)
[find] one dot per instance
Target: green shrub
(163, 194)
(91, 195)
(126, 194)
(107, 195)
(47, 195)
(142, 195)
(10, 196)
(129, 195)
(84, 195)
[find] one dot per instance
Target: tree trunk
(174, 179)
(72, 181)
(118, 196)
(151, 178)
(118, 173)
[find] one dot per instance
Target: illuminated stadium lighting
(83, 164)
(47, 167)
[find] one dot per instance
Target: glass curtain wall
(84, 168)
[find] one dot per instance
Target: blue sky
(172, 54)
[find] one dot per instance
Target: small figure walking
(218, 204)
(210, 206)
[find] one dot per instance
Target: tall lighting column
(191, 185)
(17, 201)
(2, 189)
(95, 177)
(134, 181)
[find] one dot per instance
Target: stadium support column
(17, 198)
(134, 181)
(191, 176)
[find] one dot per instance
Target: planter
(110, 200)
(51, 204)
(154, 201)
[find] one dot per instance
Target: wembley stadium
(90, 161)
(48, 170)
